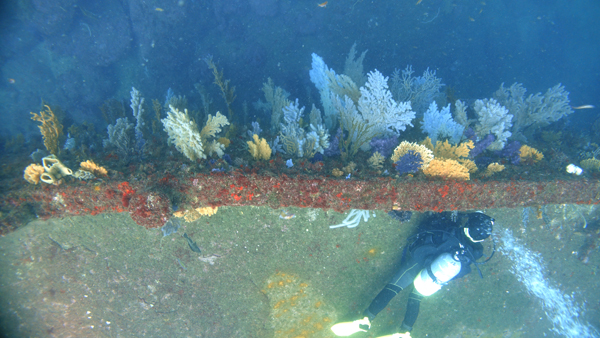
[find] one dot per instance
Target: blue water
(77, 54)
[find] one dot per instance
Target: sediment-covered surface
(260, 275)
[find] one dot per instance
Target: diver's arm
(477, 250)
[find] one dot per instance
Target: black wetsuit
(436, 235)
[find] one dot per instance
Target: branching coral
(343, 85)
(183, 133)
(536, 110)
(259, 148)
(376, 114)
(213, 126)
(157, 107)
(376, 160)
(591, 164)
(319, 76)
(440, 124)
(298, 142)
(50, 128)
(359, 131)
(492, 118)
(378, 107)
(419, 90)
(227, 92)
(353, 67)
(277, 99)
(120, 137)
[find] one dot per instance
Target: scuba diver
(443, 249)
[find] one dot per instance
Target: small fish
(11, 81)
(418, 2)
(285, 215)
(323, 5)
(158, 9)
(585, 106)
(191, 243)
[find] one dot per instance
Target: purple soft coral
(481, 146)
(511, 152)
(384, 145)
(409, 163)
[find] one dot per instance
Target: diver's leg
(399, 282)
(412, 310)
(382, 299)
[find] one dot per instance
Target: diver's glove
(397, 335)
(347, 328)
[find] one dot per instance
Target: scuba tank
(439, 272)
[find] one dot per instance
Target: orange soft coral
(33, 172)
(447, 169)
(93, 168)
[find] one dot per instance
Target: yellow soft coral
(591, 164)
(207, 211)
(337, 172)
(350, 167)
(530, 155)
(33, 172)
(447, 169)
(469, 164)
(493, 168)
(448, 151)
(224, 141)
(259, 149)
(376, 160)
(192, 215)
(459, 153)
(50, 128)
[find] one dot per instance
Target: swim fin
(347, 328)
